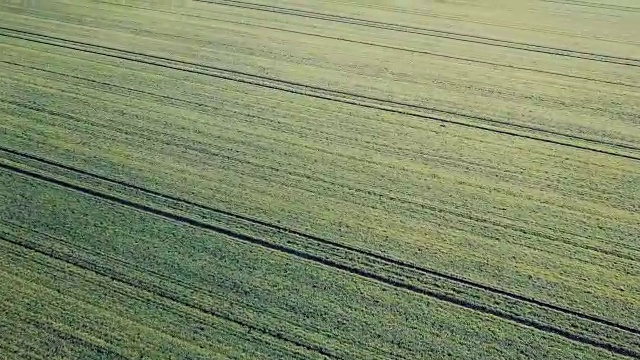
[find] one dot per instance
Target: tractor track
(160, 292)
(119, 90)
(326, 94)
(129, 292)
(148, 134)
(349, 268)
(428, 14)
(626, 61)
(72, 249)
(380, 45)
(354, 269)
(83, 183)
(311, 237)
(593, 5)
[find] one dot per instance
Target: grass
(352, 316)
(546, 221)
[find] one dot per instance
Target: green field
(319, 179)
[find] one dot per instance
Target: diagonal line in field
(319, 92)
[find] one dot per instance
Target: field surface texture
(290, 179)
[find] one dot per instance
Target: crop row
(432, 33)
(425, 113)
(250, 157)
(377, 267)
(187, 303)
(395, 47)
(121, 129)
(591, 4)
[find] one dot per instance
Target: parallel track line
(595, 5)
(157, 275)
(406, 200)
(626, 61)
(374, 255)
(385, 46)
(326, 94)
(154, 289)
(551, 329)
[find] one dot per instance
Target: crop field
(290, 179)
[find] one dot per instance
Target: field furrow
(328, 250)
(72, 257)
(331, 179)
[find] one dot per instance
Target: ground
(329, 179)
